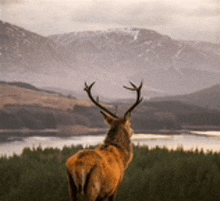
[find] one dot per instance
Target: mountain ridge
(112, 57)
(207, 98)
(146, 54)
(23, 50)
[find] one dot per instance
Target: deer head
(111, 118)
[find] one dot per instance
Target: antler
(138, 90)
(88, 90)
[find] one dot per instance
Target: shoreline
(9, 135)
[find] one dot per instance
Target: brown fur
(97, 174)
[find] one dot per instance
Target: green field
(155, 175)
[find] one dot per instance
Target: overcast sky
(180, 19)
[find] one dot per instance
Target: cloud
(167, 17)
(133, 14)
(206, 11)
(213, 1)
(8, 2)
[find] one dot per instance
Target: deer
(97, 174)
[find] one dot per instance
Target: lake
(206, 140)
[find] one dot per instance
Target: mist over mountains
(112, 57)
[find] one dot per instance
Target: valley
(31, 111)
(42, 80)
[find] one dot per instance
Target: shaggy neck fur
(118, 136)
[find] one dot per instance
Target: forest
(158, 174)
(25, 106)
(150, 115)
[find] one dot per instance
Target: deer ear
(108, 119)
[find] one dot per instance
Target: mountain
(166, 65)
(22, 50)
(111, 58)
(207, 98)
(207, 48)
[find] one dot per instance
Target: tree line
(155, 175)
(150, 115)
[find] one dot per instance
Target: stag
(97, 174)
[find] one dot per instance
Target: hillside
(206, 47)
(28, 108)
(22, 50)
(167, 66)
(23, 106)
(15, 95)
(110, 57)
(208, 98)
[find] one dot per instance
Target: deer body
(97, 174)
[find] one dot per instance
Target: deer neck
(119, 138)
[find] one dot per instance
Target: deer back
(97, 174)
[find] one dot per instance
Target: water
(201, 140)
(188, 142)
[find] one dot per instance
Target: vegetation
(150, 115)
(13, 95)
(25, 106)
(174, 115)
(35, 117)
(155, 175)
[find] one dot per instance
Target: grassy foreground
(155, 175)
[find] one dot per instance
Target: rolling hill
(24, 106)
(28, 95)
(208, 98)
(27, 107)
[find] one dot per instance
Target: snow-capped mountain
(207, 48)
(111, 57)
(144, 47)
(21, 50)
(166, 65)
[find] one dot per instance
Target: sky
(179, 19)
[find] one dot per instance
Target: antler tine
(138, 90)
(88, 90)
(135, 88)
